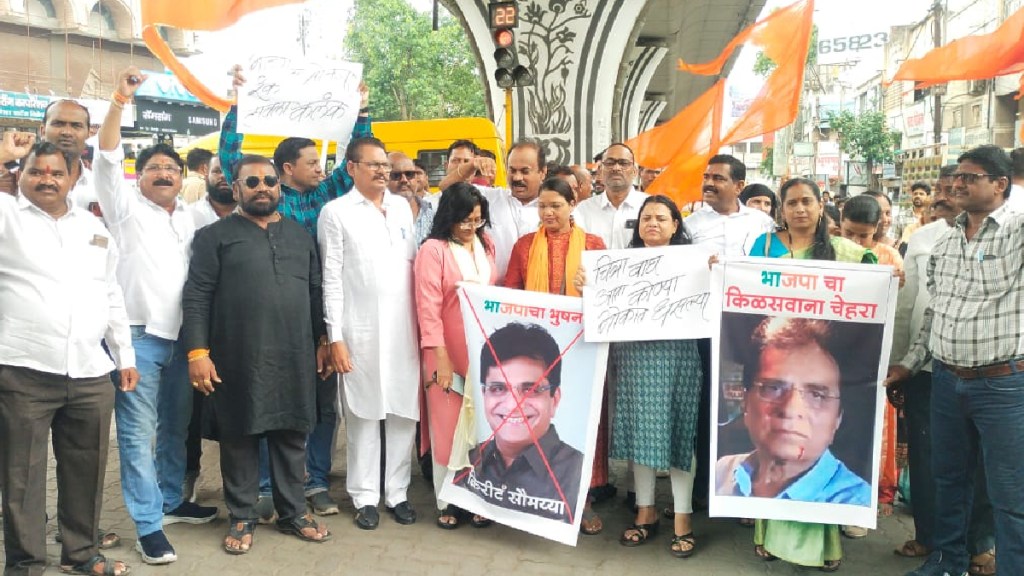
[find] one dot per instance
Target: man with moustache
(154, 230)
(403, 182)
(909, 221)
(648, 175)
(219, 200)
(305, 190)
(368, 246)
(513, 210)
(729, 228)
(60, 301)
(613, 215)
(257, 274)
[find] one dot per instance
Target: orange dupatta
(537, 273)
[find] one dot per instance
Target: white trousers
(682, 486)
(363, 481)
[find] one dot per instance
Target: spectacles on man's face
(409, 175)
(472, 224)
(374, 166)
(157, 168)
(621, 163)
(776, 391)
(500, 390)
(253, 182)
(969, 178)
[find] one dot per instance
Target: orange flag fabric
(195, 15)
(691, 138)
(979, 57)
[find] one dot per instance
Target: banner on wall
(798, 365)
(532, 400)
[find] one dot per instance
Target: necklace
(789, 235)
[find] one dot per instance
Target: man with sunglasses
(515, 391)
(304, 192)
(973, 333)
(253, 312)
(403, 182)
(154, 231)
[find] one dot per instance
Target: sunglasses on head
(254, 181)
(409, 175)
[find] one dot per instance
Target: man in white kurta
(367, 244)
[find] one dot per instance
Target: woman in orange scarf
(547, 261)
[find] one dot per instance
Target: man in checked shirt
(973, 334)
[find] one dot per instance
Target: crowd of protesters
(244, 303)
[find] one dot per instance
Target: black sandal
(87, 568)
(642, 533)
(239, 529)
(296, 526)
(450, 511)
(478, 521)
(763, 554)
(678, 540)
(831, 565)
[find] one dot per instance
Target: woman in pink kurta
(457, 250)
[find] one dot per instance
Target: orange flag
(688, 141)
(971, 58)
(195, 15)
(998, 53)
(683, 145)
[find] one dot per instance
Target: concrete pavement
(723, 547)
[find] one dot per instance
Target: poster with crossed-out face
(525, 444)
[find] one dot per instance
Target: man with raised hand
(153, 228)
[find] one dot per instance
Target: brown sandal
(763, 554)
(912, 549)
(983, 564)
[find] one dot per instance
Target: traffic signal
(508, 72)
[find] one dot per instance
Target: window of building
(101, 21)
(41, 9)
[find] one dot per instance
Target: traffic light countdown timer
(504, 17)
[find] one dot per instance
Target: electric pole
(936, 93)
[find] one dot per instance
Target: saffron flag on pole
(195, 15)
(997, 53)
(687, 142)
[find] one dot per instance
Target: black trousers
(239, 467)
(194, 443)
(77, 411)
(702, 450)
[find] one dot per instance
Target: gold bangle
(191, 360)
(198, 353)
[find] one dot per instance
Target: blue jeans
(157, 412)
(968, 416)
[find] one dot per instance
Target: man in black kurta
(253, 313)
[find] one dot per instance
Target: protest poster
(291, 96)
(524, 448)
(647, 294)
(798, 370)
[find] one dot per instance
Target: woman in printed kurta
(804, 237)
(456, 250)
(547, 261)
(658, 385)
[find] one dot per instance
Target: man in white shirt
(60, 300)
(513, 210)
(219, 200)
(66, 126)
(193, 188)
(1016, 199)
(155, 231)
(367, 244)
(613, 215)
(729, 228)
(722, 222)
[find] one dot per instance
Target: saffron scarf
(537, 273)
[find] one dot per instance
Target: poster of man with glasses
(524, 448)
(801, 355)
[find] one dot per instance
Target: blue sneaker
(155, 549)
(936, 565)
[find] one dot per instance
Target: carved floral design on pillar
(546, 45)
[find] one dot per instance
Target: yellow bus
(423, 140)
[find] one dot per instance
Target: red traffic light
(503, 38)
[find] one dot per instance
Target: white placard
(286, 96)
(647, 294)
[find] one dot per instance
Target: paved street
(724, 547)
